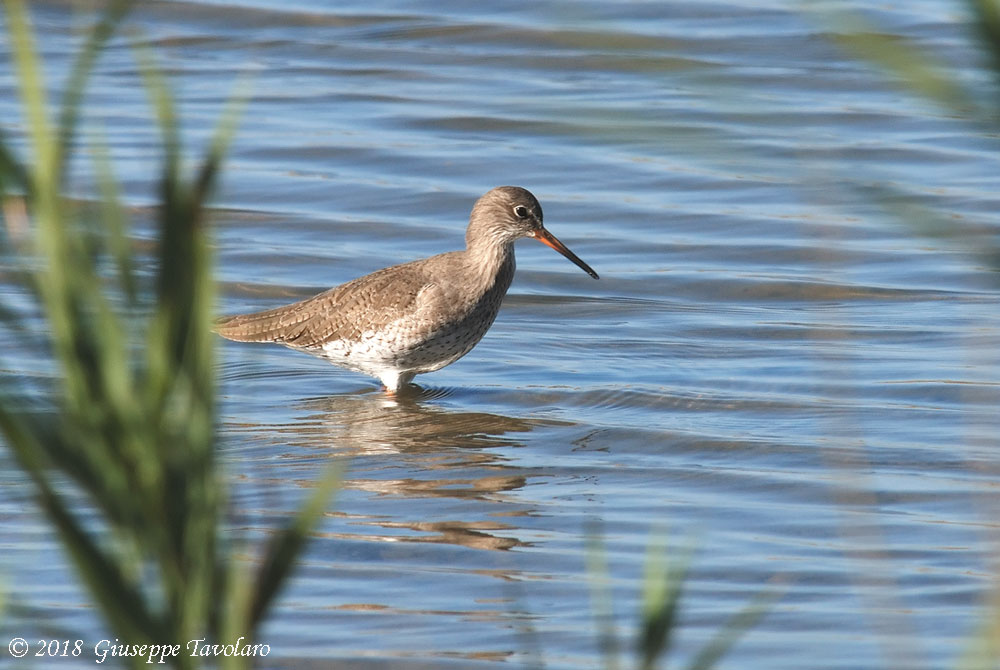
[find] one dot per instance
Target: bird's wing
(369, 303)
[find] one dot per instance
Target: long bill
(550, 240)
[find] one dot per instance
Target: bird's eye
(521, 212)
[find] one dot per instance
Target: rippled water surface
(772, 369)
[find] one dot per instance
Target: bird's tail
(273, 325)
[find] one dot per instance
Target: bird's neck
(490, 263)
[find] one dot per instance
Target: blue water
(776, 368)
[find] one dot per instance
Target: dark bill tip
(550, 240)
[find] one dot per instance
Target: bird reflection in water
(446, 454)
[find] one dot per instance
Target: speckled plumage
(416, 317)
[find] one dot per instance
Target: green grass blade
(662, 590)
(116, 222)
(13, 177)
(288, 544)
(866, 41)
(734, 629)
(222, 138)
(120, 601)
(983, 648)
(30, 441)
(231, 617)
(978, 241)
(46, 202)
(601, 598)
(987, 24)
(181, 257)
(32, 88)
(80, 74)
(182, 285)
(163, 106)
(48, 208)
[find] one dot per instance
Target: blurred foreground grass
(917, 71)
(128, 412)
(661, 590)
